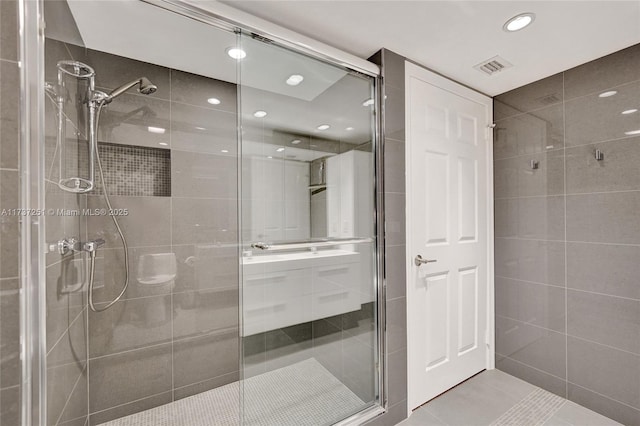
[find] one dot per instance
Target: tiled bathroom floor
(302, 394)
(496, 398)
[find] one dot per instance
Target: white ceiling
(451, 37)
(328, 95)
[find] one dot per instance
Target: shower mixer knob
(67, 245)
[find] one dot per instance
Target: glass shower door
(308, 287)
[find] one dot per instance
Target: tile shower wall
(174, 333)
(568, 234)
(393, 195)
(9, 226)
(66, 312)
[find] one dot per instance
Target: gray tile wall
(167, 341)
(393, 194)
(164, 340)
(9, 226)
(66, 297)
(567, 245)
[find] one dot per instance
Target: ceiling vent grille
(493, 65)
(551, 99)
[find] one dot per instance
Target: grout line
(572, 194)
(432, 414)
(130, 402)
(177, 293)
(627, 83)
(602, 294)
(219, 332)
(531, 324)
(620, 139)
(528, 112)
(82, 373)
(16, 387)
(568, 241)
(532, 367)
(569, 147)
(72, 421)
(10, 61)
(635, 354)
(604, 396)
(564, 100)
(533, 154)
(209, 379)
(128, 351)
(530, 282)
(66, 331)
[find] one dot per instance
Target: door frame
(412, 70)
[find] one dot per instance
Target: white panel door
(447, 205)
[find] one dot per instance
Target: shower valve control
(72, 245)
(67, 245)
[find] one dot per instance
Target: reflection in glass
(308, 288)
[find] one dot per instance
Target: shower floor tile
(494, 398)
(302, 394)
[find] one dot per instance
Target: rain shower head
(145, 86)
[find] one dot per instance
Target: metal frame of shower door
(32, 227)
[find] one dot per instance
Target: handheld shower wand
(98, 101)
(95, 100)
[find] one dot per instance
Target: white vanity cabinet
(298, 287)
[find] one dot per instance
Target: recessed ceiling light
(200, 128)
(368, 102)
(236, 53)
(214, 101)
(295, 141)
(607, 94)
(159, 130)
(633, 132)
(163, 143)
(224, 151)
(280, 149)
(260, 114)
(294, 79)
(629, 111)
(268, 156)
(519, 22)
(323, 127)
(348, 129)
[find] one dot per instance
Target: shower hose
(92, 253)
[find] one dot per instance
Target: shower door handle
(420, 261)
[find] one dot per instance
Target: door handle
(419, 260)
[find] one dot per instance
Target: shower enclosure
(209, 247)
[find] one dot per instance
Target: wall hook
(534, 164)
(599, 155)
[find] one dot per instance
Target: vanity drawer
(335, 290)
(334, 302)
